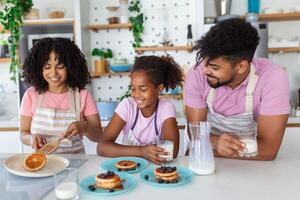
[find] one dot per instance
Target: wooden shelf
(111, 74)
(284, 49)
(171, 96)
(162, 48)
(48, 21)
(5, 60)
(96, 27)
(278, 17)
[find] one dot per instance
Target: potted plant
(101, 64)
(11, 20)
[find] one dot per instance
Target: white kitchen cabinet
(10, 142)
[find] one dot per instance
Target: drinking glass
(249, 137)
(168, 145)
(66, 184)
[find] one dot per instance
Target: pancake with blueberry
(166, 174)
(126, 165)
(108, 180)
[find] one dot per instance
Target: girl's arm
(170, 132)
(107, 146)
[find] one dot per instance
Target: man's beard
(219, 83)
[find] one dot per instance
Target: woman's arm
(170, 132)
(93, 128)
(35, 141)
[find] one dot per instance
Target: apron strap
(40, 100)
(74, 97)
(135, 120)
(155, 119)
(250, 89)
(211, 95)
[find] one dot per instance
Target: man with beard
(236, 92)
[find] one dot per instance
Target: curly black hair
(160, 70)
(232, 39)
(68, 54)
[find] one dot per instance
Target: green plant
(136, 20)
(127, 93)
(102, 53)
(11, 19)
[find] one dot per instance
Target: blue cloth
(14, 187)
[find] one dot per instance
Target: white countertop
(234, 179)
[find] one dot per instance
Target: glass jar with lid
(112, 16)
(123, 10)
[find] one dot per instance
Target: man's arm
(270, 130)
(194, 115)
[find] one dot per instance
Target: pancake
(166, 174)
(35, 161)
(126, 165)
(108, 180)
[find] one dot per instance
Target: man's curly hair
(67, 53)
(232, 39)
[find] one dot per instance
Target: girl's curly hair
(232, 39)
(68, 54)
(160, 70)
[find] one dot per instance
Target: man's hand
(228, 145)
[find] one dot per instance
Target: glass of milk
(249, 138)
(168, 145)
(66, 184)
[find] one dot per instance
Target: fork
(49, 148)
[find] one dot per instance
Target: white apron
(130, 139)
(236, 124)
(52, 123)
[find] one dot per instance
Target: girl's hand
(75, 128)
(37, 141)
(152, 152)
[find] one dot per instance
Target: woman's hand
(37, 141)
(75, 128)
(152, 152)
(228, 145)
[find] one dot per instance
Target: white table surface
(234, 179)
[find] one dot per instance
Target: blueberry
(160, 181)
(167, 182)
(111, 190)
(146, 177)
(174, 168)
(138, 164)
(119, 170)
(92, 187)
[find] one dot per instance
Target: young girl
(58, 105)
(144, 118)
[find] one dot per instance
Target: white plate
(53, 165)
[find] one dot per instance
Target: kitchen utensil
(223, 7)
(49, 148)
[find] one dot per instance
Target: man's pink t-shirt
(144, 129)
(57, 101)
(271, 95)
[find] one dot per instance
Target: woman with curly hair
(58, 106)
(144, 118)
